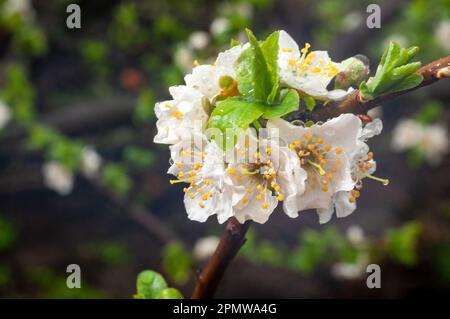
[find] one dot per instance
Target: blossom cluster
(231, 144)
(430, 140)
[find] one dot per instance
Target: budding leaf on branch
(394, 73)
(149, 284)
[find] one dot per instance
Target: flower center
(260, 173)
(315, 158)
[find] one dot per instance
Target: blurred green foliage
(151, 285)
(8, 234)
(177, 263)
(402, 241)
(54, 286)
(115, 176)
(109, 252)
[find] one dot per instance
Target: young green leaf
(394, 73)
(269, 48)
(149, 284)
(235, 113)
(257, 69)
(289, 103)
(261, 75)
(310, 103)
(169, 293)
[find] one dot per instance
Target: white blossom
(219, 25)
(204, 247)
(200, 163)
(355, 235)
(21, 7)
(57, 178)
(443, 34)
(435, 143)
(184, 113)
(90, 162)
(351, 271)
(352, 21)
(362, 166)
(407, 134)
(205, 78)
(308, 72)
(199, 40)
(184, 58)
(325, 152)
(431, 140)
(5, 115)
(266, 173)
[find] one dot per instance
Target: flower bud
(356, 69)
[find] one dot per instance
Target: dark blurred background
(82, 182)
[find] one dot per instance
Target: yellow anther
(201, 205)
(319, 140)
(316, 69)
(196, 62)
(182, 153)
(338, 150)
(205, 196)
(201, 154)
(277, 188)
(311, 147)
(244, 200)
(291, 61)
(179, 164)
(259, 197)
(327, 148)
(269, 150)
(300, 153)
(286, 49)
(280, 197)
(180, 174)
(351, 199)
(185, 190)
(330, 176)
(197, 166)
(264, 205)
(259, 187)
(307, 136)
(192, 195)
(325, 188)
(206, 181)
(297, 143)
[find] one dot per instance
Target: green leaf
(288, 104)
(235, 113)
(149, 285)
(402, 243)
(269, 48)
(177, 263)
(169, 293)
(261, 74)
(394, 73)
(310, 103)
(408, 83)
(257, 69)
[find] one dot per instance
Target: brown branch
(230, 243)
(355, 104)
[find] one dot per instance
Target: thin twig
(230, 243)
